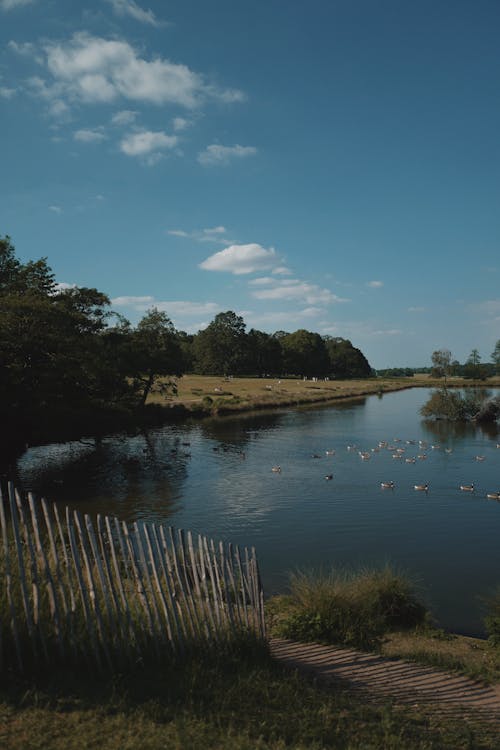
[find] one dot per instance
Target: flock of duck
(398, 453)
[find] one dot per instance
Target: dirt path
(400, 680)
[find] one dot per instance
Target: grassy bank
(200, 394)
(219, 700)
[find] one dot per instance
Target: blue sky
(331, 165)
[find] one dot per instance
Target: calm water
(215, 477)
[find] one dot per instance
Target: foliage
(472, 403)
(441, 362)
(351, 608)
(492, 619)
(220, 347)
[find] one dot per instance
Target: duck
(330, 452)
(448, 450)
(467, 487)
(328, 477)
(276, 469)
(422, 487)
(410, 460)
(479, 458)
(387, 485)
(422, 456)
(493, 495)
(365, 455)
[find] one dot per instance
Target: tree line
(444, 365)
(66, 357)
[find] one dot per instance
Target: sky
(331, 165)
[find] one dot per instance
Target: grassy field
(216, 394)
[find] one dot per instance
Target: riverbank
(202, 395)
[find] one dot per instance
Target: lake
(215, 477)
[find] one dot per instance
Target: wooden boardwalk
(396, 679)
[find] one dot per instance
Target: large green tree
(221, 348)
(156, 355)
(304, 353)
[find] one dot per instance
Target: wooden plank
(242, 597)
(139, 585)
(185, 609)
(8, 587)
(148, 588)
(131, 636)
(34, 575)
(21, 567)
(171, 593)
(49, 581)
(156, 578)
(204, 583)
(89, 621)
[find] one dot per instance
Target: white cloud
(125, 117)
(375, 284)
(55, 209)
(148, 144)
(174, 308)
(180, 123)
(178, 233)
(240, 259)
(26, 49)
(61, 286)
(211, 234)
(217, 155)
(7, 93)
(11, 4)
(300, 291)
(130, 8)
(92, 69)
(282, 271)
(89, 135)
(262, 281)
(416, 309)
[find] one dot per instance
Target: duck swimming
(422, 487)
(387, 485)
(467, 487)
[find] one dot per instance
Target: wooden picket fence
(113, 593)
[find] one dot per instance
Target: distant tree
(495, 357)
(156, 355)
(264, 355)
(304, 353)
(220, 349)
(473, 368)
(441, 363)
(345, 360)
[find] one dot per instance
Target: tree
(220, 349)
(441, 363)
(495, 357)
(304, 353)
(264, 356)
(156, 354)
(345, 360)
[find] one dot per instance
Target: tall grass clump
(353, 608)
(492, 619)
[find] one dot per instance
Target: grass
(352, 608)
(215, 394)
(219, 699)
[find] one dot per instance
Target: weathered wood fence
(112, 593)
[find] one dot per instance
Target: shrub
(492, 619)
(351, 608)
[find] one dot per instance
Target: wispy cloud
(55, 209)
(212, 234)
(133, 10)
(217, 155)
(375, 284)
(90, 135)
(124, 117)
(300, 291)
(416, 309)
(174, 308)
(11, 4)
(241, 259)
(6, 92)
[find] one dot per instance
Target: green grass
(234, 700)
(352, 608)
